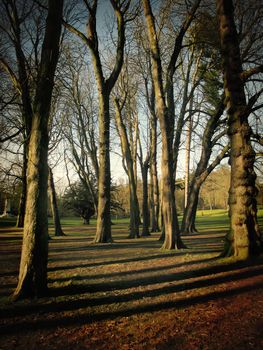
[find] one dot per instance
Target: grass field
(130, 294)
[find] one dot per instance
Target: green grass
(205, 220)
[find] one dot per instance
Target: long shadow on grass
(127, 260)
(136, 282)
(106, 246)
(111, 262)
(131, 272)
(88, 317)
(208, 281)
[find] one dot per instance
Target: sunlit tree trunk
(54, 206)
(168, 201)
(103, 232)
(187, 159)
(244, 238)
(154, 186)
(145, 206)
(32, 279)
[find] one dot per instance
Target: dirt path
(132, 295)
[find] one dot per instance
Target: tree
(144, 164)
(105, 86)
(20, 80)
(244, 238)
(166, 114)
(54, 205)
(80, 110)
(32, 279)
(203, 169)
(127, 155)
(79, 199)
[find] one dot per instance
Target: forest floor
(132, 295)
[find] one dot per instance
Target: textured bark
(154, 186)
(145, 206)
(103, 231)
(33, 265)
(172, 238)
(187, 160)
(54, 206)
(244, 238)
(127, 155)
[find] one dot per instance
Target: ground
(132, 295)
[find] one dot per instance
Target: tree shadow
(167, 255)
(89, 317)
(207, 274)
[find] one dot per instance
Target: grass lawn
(130, 294)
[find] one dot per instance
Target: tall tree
(105, 86)
(21, 80)
(244, 238)
(127, 155)
(166, 113)
(32, 279)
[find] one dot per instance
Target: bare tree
(166, 114)
(105, 86)
(33, 266)
(129, 165)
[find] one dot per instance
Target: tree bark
(32, 279)
(244, 238)
(154, 186)
(145, 206)
(103, 231)
(127, 155)
(172, 237)
(54, 206)
(187, 160)
(188, 222)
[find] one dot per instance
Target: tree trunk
(134, 211)
(103, 232)
(188, 223)
(32, 279)
(187, 160)
(201, 173)
(155, 201)
(172, 237)
(33, 265)
(54, 206)
(127, 155)
(244, 238)
(145, 207)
